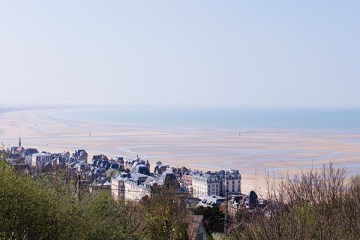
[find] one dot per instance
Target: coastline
(253, 153)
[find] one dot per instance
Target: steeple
(20, 141)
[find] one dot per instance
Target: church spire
(20, 141)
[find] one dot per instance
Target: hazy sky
(245, 53)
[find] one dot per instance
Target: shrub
(316, 205)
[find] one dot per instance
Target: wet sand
(253, 153)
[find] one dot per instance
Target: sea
(239, 119)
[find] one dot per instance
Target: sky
(267, 54)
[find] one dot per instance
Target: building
(28, 152)
(231, 179)
(133, 187)
(131, 164)
(60, 159)
(80, 166)
(210, 201)
(80, 155)
(187, 179)
(216, 183)
(160, 168)
(206, 185)
(40, 159)
(118, 188)
(141, 168)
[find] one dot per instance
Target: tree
(165, 215)
(26, 210)
(315, 205)
(213, 218)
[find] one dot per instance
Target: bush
(213, 218)
(165, 215)
(47, 208)
(26, 210)
(316, 205)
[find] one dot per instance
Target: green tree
(26, 210)
(213, 218)
(105, 218)
(165, 215)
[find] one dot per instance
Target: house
(132, 187)
(60, 159)
(80, 155)
(119, 160)
(118, 188)
(40, 159)
(186, 182)
(160, 168)
(135, 189)
(100, 157)
(65, 156)
(211, 201)
(206, 185)
(17, 150)
(80, 166)
(216, 183)
(131, 164)
(29, 152)
(187, 179)
(141, 168)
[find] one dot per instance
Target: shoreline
(252, 153)
(185, 127)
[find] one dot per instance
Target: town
(136, 180)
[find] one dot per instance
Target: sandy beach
(253, 153)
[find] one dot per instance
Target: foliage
(218, 236)
(165, 215)
(26, 210)
(104, 218)
(45, 207)
(316, 205)
(213, 218)
(112, 173)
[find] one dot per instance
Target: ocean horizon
(234, 119)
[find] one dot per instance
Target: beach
(254, 153)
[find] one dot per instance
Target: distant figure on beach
(90, 134)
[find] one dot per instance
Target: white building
(118, 188)
(132, 188)
(215, 183)
(40, 159)
(232, 179)
(135, 192)
(205, 185)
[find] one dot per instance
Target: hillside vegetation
(316, 205)
(47, 208)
